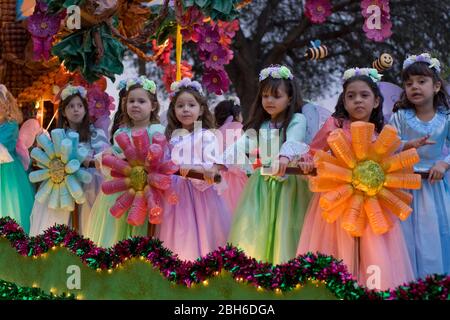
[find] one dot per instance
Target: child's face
(359, 101)
(187, 110)
(420, 90)
(75, 112)
(275, 102)
(139, 106)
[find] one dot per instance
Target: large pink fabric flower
(216, 80)
(382, 4)
(379, 35)
(317, 11)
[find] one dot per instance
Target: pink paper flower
(218, 58)
(100, 103)
(209, 38)
(317, 11)
(216, 80)
(379, 35)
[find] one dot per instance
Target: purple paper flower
(43, 27)
(218, 58)
(100, 103)
(216, 81)
(317, 11)
(209, 38)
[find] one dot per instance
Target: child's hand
(184, 170)
(209, 174)
(306, 166)
(437, 172)
(282, 165)
(419, 142)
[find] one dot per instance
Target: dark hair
(376, 117)
(258, 115)
(154, 116)
(206, 118)
(441, 99)
(224, 109)
(118, 116)
(83, 129)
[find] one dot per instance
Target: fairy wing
(315, 118)
(27, 134)
(391, 94)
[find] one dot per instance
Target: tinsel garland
(11, 291)
(283, 277)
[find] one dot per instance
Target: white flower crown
(71, 90)
(370, 72)
(186, 83)
(276, 72)
(424, 57)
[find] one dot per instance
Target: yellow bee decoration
(317, 51)
(384, 62)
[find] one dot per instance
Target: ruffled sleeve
(9, 133)
(294, 146)
(398, 120)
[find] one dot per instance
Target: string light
(205, 283)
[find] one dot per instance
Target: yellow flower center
(44, 25)
(320, 9)
(138, 177)
(215, 58)
(98, 105)
(208, 40)
(368, 176)
(57, 172)
(215, 80)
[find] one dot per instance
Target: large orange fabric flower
(362, 181)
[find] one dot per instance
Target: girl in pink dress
(229, 121)
(377, 261)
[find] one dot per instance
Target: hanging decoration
(377, 24)
(361, 182)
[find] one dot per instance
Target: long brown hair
(84, 128)
(206, 118)
(420, 68)
(154, 115)
(257, 115)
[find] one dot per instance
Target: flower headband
(235, 100)
(147, 84)
(370, 72)
(70, 90)
(122, 85)
(276, 72)
(185, 83)
(424, 57)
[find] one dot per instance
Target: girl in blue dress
(422, 118)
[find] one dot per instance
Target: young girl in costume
(142, 109)
(422, 118)
(199, 223)
(268, 219)
(16, 191)
(228, 118)
(361, 100)
(73, 116)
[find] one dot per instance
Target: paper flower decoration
(377, 24)
(99, 102)
(216, 81)
(317, 11)
(362, 181)
(143, 177)
(42, 27)
(60, 159)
